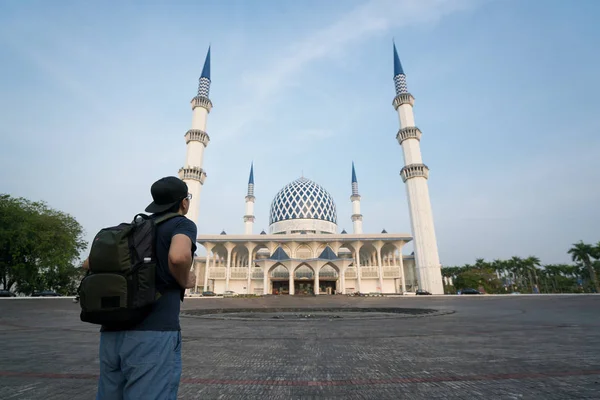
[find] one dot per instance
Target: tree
(38, 247)
(583, 253)
(531, 263)
(477, 277)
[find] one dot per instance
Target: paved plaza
(493, 347)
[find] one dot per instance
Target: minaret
(355, 199)
(249, 217)
(415, 175)
(196, 140)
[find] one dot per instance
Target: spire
(204, 81)
(354, 182)
(399, 77)
(251, 182)
(206, 69)
(397, 65)
(251, 179)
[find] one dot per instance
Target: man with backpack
(137, 276)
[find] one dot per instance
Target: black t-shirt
(165, 312)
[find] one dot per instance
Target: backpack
(120, 287)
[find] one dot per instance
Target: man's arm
(180, 258)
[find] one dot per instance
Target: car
(422, 292)
(470, 291)
(208, 293)
(7, 293)
(45, 293)
(230, 293)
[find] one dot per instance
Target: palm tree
(583, 253)
(515, 266)
(531, 264)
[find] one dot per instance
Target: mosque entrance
(304, 287)
(327, 287)
(281, 287)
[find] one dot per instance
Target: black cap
(167, 192)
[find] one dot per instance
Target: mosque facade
(303, 251)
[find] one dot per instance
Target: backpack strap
(157, 221)
(165, 217)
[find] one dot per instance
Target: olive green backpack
(120, 286)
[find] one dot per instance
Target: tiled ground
(515, 347)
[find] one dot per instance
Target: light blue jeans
(139, 365)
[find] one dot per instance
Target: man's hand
(191, 282)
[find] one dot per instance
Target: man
(144, 361)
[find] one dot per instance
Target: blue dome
(303, 199)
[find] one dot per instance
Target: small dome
(303, 199)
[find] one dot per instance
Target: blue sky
(95, 98)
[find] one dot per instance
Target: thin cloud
(359, 25)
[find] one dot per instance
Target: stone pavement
(513, 347)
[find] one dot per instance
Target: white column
(317, 279)
(291, 283)
(196, 140)
(402, 273)
(197, 273)
(415, 175)
(250, 247)
(229, 247)
(356, 215)
(380, 267)
(206, 271)
(357, 246)
(265, 279)
(249, 217)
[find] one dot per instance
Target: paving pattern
(513, 347)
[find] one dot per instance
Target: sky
(95, 102)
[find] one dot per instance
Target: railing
(413, 171)
(351, 273)
(369, 272)
(258, 275)
(239, 273)
(217, 273)
(328, 274)
(391, 272)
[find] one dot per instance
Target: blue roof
(206, 69)
(397, 66)
(328, 254)
(279, 255)
(251, 179)
(353, 174)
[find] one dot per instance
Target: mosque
(303, 252)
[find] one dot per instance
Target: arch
(285, 248)
(329, 271)
(389, 253)
(303, 252)
(345, 251)
(279, 272)
(367, 252)
(348, 245)
(261, 251)
(239, 256)
(320, 248)
(304, 271)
